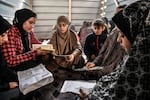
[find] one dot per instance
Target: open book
(45, 47)
(75, 86)
(88, 69)
(34, 78)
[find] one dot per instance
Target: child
(66, 42)
(8, 80)
(94, 41)
(67, 55)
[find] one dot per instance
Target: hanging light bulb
(103, 7)
(102, 2)
(105, 0)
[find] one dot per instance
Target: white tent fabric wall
(8, 7)
(81, 10)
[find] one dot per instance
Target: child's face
(62, 27)
(124, 42)
(3, 38)
(98, 30)
(28, 25)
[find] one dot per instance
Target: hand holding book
(90, 65)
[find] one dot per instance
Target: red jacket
(13, 49)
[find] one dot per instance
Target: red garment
(13, 49)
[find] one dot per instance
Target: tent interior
(47, 11)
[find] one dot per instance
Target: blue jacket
(93, 44)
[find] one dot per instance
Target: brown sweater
(110, 55)
(65, 45)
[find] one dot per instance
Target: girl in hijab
(66, 43)
(67, 55)
(18, 50)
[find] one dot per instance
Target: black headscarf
(133, 19)
(20, 17)
(4, 25)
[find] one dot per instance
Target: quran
(45, 47)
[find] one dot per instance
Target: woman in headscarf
(104, 89)
(18, 50)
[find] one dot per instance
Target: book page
(88, 69)
(34, 77)
(75, 85)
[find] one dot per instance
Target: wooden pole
(31, 4)
(70, 10)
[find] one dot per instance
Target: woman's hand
(41, 52)
(13, 85)
(70, 58)
(90, 65)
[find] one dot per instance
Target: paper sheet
(75, 85)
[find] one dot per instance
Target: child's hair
(63, 19)
(98, 23)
